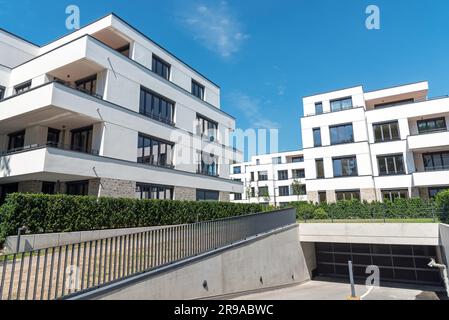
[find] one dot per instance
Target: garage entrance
(397, 263)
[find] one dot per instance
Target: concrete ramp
(263, 261)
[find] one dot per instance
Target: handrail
(72, 269)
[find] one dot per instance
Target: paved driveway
(320, 290)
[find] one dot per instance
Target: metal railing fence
(55, 272)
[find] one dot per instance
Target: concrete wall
(252, 265)
(444, 242)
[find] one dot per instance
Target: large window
(148, 191)
(161, 67)
(299, 173)
(300, 191)
(16, 141)
(22, 87)
(436, 190)
(156, 106)
(262, 175)
(388, 131)
(197, 90)
(391, 164)
(432, 125)
(207, 195)
(276, 160)
(88, 85)
(237, 196)
(318, 108)
(341, 134)
(436, 161)
(208, 164)
(284, 191)
(348, 195)
(317, 137)
(341, 104)
(82, 139)
(322, 197)
(263, 192)
(48, 187)
(6, 189)
(206, 128)
(78, 188)
(391, 195)
(237, 170)
(319, 168)
(283, 175)
(53, 137)
(345, 167)
(153, 151)
(2, 92)
(298, 159)
(252, 176)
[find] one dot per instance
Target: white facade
(270, 178)
(77, 110)
(397, 137)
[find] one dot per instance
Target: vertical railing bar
(153, 249)
(36, 273)
(105, 261)
(116, 252)
(2, 282)
(30, 265)
(111, 244)
(128, 260)
(100, 262)
(58, 272)
(84, 265)
(89, 268)
(141, 239)
(78, 255)
(44, 274)
(11, 278)
(171, 241)
(144, 251)
(64, 270)
(72, 256)
(158, 247)
(19, 285)
(120, 258)
(94, 271)
(132, 253)
(148, 252)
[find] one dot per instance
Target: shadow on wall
(4, 166)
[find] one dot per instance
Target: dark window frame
(387, 161)
(198, 90)
(22, 87)
(261, 177)
(441, 129)
(317, 141)
(48, 187)
(342, 141)
(87, 84)
(237, 170)
(152, 189)
(263, 194)
(205, 193)
(237, 196)
(2, 92)
(282, 175)
(54, 132)
(158, 102)
(341, 105)
(320, 174)
(164, 67)
(433, 191)
(298, 176)
(285, 191)
(207, 127)
(443, 160)
(13, 136)
(154, 160)
(82, 186)
(383, 138)
(354, 195)
(209, 169)
(317, 109)
(355, 170)
(394, 194)
(87, 148)
(298, 159)
(322, 196)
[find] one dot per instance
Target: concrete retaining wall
(444, 242)
(265, 261)
(41, 241)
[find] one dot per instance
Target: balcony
(429, 140)
(435, 177)
(49, 145)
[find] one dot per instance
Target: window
(237, 170)
(391, 164)
(262, 175)
(345, 167)
(149, 191)
(253, 192)
(153, 151)
(322, 198)
(197, 90)
(79, 188)
(319, 168)
(388, 131)
(435, 190)
(22, 87)
(391, 195)
(318, 108)
(436, 161)
(53, 137)
(82, 140)
(6, 189)
(207, 164)
(257, 161)
(298, 159)
(393, 103)
(347, 195)
(432, 125)
(2, 92)
(16, 141)
(276, 160)
(341, 104)
(161, 67)
(252, 176)
(283, 175)
(156, 106)
(206, 128)
(341, 134)
(207, 195)
(317, 137)
(48, 187)
(284, 191)
(301, 191)
(263, 192)
(88, 85)
(299, 173)
(237, 196)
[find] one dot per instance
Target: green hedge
(442, 203)
(399, 209)
(62, 213)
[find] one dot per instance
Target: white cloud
(215, 27)
(252, 110)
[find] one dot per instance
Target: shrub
(442, 205)
(62, 213)
(320, 214)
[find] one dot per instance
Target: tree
(298, 188)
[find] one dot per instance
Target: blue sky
(267, 54)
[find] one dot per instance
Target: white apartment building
(106, 111)
(275, 179)
(375, 145)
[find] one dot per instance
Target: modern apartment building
(106, 111)
(275, 179)
(375, 145)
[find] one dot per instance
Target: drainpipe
(433, 264)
